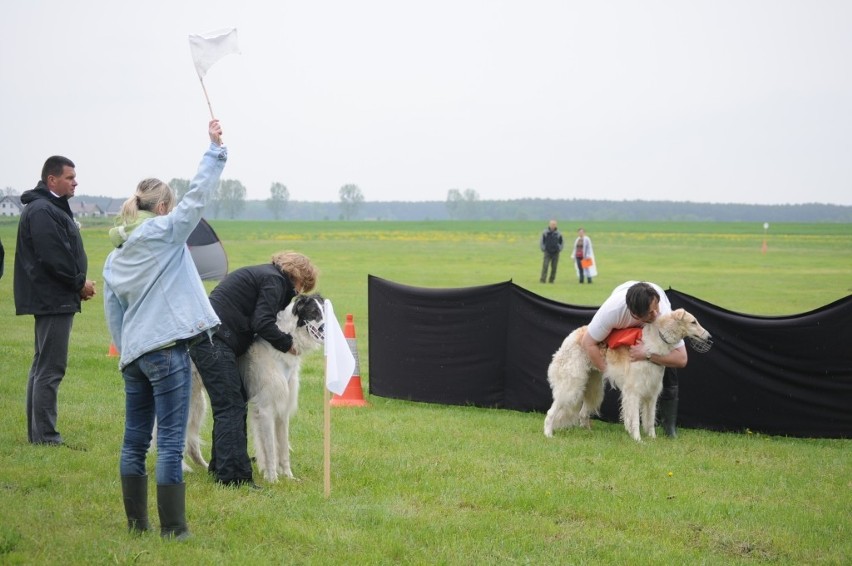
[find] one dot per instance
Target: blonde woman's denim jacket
(153, 295)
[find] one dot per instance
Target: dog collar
(663, 338)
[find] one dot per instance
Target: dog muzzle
(316, 331)
(700, 345)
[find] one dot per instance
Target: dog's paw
(270, 477)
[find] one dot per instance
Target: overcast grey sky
(744, 101)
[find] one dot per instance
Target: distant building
(10, 206)
(84, 209)
(113, 207)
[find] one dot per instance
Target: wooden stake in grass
(327, 440)
(339, 365)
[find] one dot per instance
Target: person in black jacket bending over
(247, 302)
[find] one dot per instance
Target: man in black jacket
(247, 302)
(550, 244)
(49, 282)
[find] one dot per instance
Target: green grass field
(428, 484)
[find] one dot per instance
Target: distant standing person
(551, 245)
(50, 283)
(585, 256)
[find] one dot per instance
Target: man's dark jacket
(50, 262)
(247, 302)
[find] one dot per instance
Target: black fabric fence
(490, 346)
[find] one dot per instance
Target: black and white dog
(271, 379)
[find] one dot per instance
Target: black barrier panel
(438, 345)
(490, 346)
(788, 375)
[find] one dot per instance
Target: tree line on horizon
(230, 202)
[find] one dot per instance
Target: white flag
(339, 363)
(207, 48)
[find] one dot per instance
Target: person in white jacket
(156, 307)
(584, 257)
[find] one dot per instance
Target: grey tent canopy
(207, 252)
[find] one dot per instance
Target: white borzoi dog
(578, 387)
(271, 379)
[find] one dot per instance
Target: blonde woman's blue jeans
(157, 384)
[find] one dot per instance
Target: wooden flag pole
(327, 437)
(204, 88)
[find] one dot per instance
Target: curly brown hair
(302, 273)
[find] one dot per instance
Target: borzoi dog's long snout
(309, 312)
(701, 345)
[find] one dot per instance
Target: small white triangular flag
(340, 363)
(207, 48)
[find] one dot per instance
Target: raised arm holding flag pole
(207, 48)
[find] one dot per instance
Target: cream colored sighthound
(578, 387)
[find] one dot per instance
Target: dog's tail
(193, 451)
(197, 416)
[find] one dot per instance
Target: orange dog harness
(624, 337)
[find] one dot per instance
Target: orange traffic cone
(113, 353)
(353, 395)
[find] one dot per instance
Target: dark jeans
(156, 384)
(217, 364)
(52, 334)
(551, 259)
(581, 269)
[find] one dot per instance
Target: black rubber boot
(171, 506)
(134, 491)
(667, 409)
(667, 403)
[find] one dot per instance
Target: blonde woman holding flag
(156, 306)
